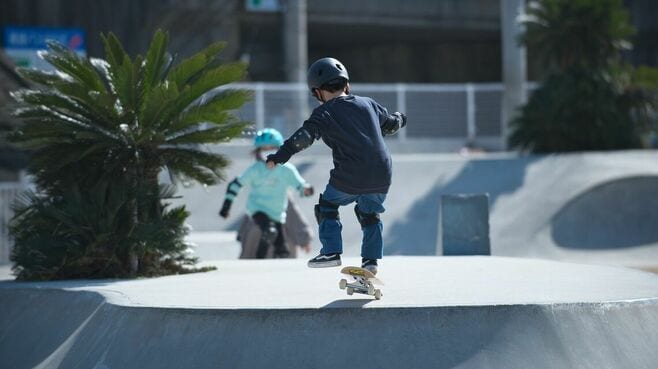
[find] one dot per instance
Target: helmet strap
(317, 93)
(257, 154)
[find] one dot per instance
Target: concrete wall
(531, 198)
(94, 334)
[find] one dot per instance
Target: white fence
(464, 112)
(9, 191)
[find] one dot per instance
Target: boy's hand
(404, 119)
(392, 124)
(309, 191)
(279, 157)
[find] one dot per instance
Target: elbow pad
(393, 123)
(299, 141)
(233, 189)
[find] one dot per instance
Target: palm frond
(159, 106)
(157, 61)
(122, 74)
(582, 33)
(61, 105)
(185, 72)
(80, 69)
(214, 134)
(216, 77)
(216, 109)
(196, 164)
(41, 77)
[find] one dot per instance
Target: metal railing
(465, 112)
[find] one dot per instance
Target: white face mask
(265, 153)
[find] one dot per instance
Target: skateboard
(364, 282)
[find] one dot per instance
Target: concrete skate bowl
(75, 330)
(415, 231)
(622, 213)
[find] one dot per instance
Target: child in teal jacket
(268, 200)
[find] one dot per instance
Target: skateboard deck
(363, 282)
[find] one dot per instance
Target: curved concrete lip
(410, 282)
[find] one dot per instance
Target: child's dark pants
(271, 236)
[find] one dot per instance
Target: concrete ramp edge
(45, 328)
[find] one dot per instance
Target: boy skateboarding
(354, 128)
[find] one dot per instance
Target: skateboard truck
(364, 282)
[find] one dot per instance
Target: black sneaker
(370, 265)
(324, 261)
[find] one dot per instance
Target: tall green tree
(586, 34)
(99, 132)
(585, 102)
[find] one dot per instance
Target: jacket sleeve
(300, 140)
(389, 123)
(294, 179)
(236, 185)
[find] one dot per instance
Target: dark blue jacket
(351, 127)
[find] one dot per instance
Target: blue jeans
(330, 229)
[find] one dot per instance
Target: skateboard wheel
(350, 290)
(378, 294)
(342, 284)
(371, 290)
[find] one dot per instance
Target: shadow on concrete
(51, 318)
(618, 214)
(56, 285)
(416, 233)
(348, 303)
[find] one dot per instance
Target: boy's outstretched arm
(296, 181)
(393, 122)
(300, 140)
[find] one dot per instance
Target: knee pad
(330, 210)
(269, 234)
(366, 219)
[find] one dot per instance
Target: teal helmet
(268, 137)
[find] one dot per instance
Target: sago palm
(581, 104)
(121, 120)
(577, 33)
(130, 117)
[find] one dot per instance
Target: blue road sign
(22, 43)
(35, 37)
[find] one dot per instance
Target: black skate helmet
(325, 70)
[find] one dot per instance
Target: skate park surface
(556, 293)
(436, 312)
(585, 207)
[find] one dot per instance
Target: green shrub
(588, 101)
(98, 133)
(90, 233)
(574, 111)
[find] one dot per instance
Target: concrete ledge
(471, 312)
